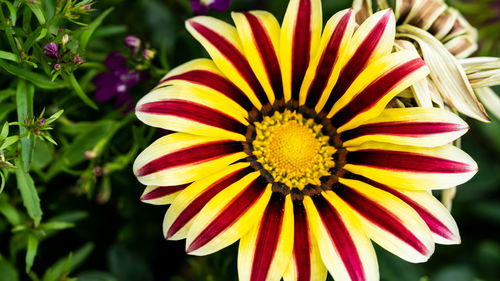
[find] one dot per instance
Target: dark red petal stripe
(201, 200)
(434, 224)
(268, 237)
(216, 82)
(341, 238)
(302, 242)
(231, 213)
(406, 161)
(190, 156)
(358, 61)
(195, 112)
(380, 217)
(162, 191)
(376, 91)
(267, 54)
(401, 128)
(301, 46)
(327, 62)
(233, 55)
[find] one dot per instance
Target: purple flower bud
(51, 50)
(57, 66)
(148, 54)
(98, 171)
(86, 7)
(133, 42)
(41, 121)
(78, 60)
(37, 131)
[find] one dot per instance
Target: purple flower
(51, 50)
(201, 7)
(116, 83)
(78, 60)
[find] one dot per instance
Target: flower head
(51, 50)
(201, 7)
(133, 42)
(117, 82)
(283, 141)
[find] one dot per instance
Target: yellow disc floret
(292, 149)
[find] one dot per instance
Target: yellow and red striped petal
(344, 247)
(161, 195)
(181, 158)
(299, 41)
(435, 215)
(375, 86)
(223, 44)
(324, 68)
(204, 73)
(409, 167)
(306, 263)
(266, 249)
(388, 220)
(193, 110)
(189, 202)
(259, 33)
(229, 215)
(425, 127)
(371, 41)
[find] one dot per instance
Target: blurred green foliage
(71, 211)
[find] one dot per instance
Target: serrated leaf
(28, 192)
(85, 37)
(24, 101)
(31, 251)
(39, 80)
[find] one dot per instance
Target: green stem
(10, 38)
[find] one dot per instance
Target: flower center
(292, 149)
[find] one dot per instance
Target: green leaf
(9, 272)
(54, 116)
(42, 154)
(37, 12)
(95, 276)
(8, 56)
(9, 141)
(39, 80)
(62, 266)
(31, 251)
(79, 91)
(12, 11)
(24, 100)
(5, 109)
(10, 212)
(5, 131)
(85, 37)
(56, 225)
(2, 183)
(28, 193)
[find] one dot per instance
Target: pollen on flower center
(292, 149)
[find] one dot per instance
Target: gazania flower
(446, 40)
(283, 142)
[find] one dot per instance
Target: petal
(189, 202)
(259, 34)
(415, 126)
(490, 99)
(423, 13)
(266, 249)
(193, 110)
(388, 220)
(306, 263)
(446, 73)
(377, 84)
(300, 35)
(204, 73)
(435, 215)
(409, 167)
(371, 41)
(324, 68)
(161, 195)
(229, 215)
(343, 245)
(223, 44)
(182, 158)
(362, 9)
